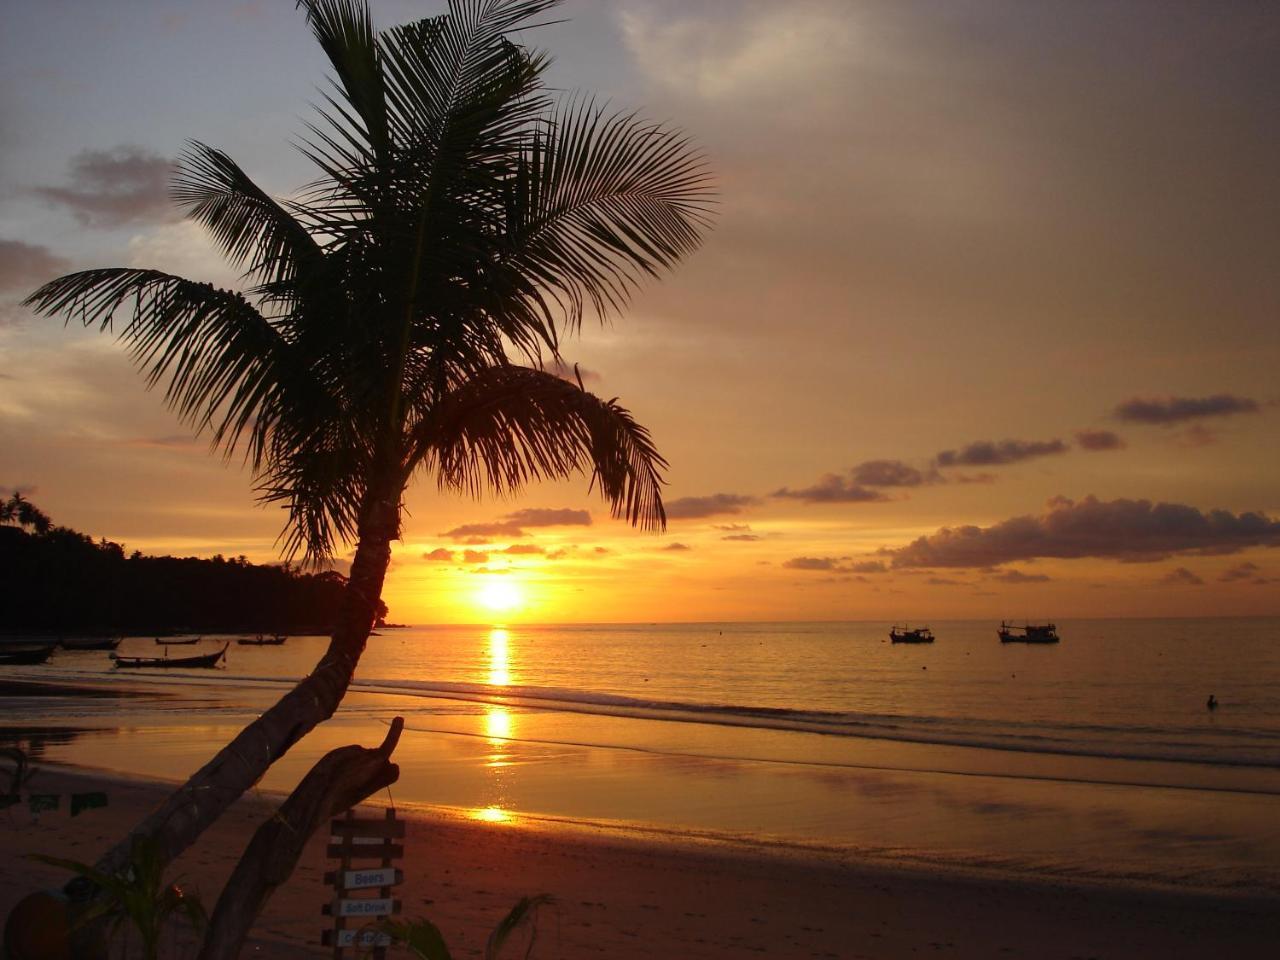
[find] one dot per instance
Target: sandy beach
(626, 895)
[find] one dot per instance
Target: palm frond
(510, 425)
(345, 32)
(250, 227)
(603, 199)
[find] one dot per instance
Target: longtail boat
(906, 635)
(12, 655)
(89, 643)
(260, 641)
(204, 660)
(1028, 633)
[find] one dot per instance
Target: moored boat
(274, 640)
(204, 660)
(25, 654)
(169, 642)
(1028, 633)
(905, 634)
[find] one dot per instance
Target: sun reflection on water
(499, 657)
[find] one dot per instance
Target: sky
(988, 324)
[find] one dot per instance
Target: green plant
(425, 940)
(136, 895)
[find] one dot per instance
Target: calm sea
(1092, 758)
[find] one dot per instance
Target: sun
(500, 596)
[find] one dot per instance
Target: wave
(1219, 747)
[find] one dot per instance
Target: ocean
(1095, 759)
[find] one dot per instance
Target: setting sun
(500, 596)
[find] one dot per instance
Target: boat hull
(26, 656)
(205, 661)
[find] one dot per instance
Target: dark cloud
(832, 489)
(834, 565)
(111, 188)
(812, 563)
(677, 546)
(474, 556)
(1017, 576)
(439, 555)
(24, 266)
(945, 582)
(1099, 440)
(987, 453)
(890, 473)
(1181, 409)
(980, 477)
(1241, 571)
(514, 524)
(743, 537)
(693, 508)
(1134, 530)
(732, 527)
(1182, 577)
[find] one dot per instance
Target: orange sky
(941, 229)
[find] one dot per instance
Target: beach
(626, 895)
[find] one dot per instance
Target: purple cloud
(717, 504)
(1182, 577)
(1098, 440)
(1132, 530)
(832, 489)
(1168, 410)
(987, 453)
(111, 188)
(514, 524)
(23, 266)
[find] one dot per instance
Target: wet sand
(632, 895)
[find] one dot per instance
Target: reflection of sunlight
(499, 658)
(497, 724)
(492, 815)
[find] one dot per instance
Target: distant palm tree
(460, 216)
(18, 509)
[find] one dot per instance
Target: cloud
(474, 556)
(834, 565)
(514, 524)
(111, 188)
(24, 266)
(1181, 409)
(986, 453)
(1182, 577)
(890, 473)
(1099, 440)
(832, 489)
(812, 563)
(1017, 576)
(946, 582)
(439, 555)
(693, 508)
(1133, 530)
(677, 546)
(743, 537)
(524, 548)
(732, 527)
(1241, 571)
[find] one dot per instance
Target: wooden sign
(362, 839)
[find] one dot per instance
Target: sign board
(366, 907)
(355, 838)
(364, 879)
(363, 939)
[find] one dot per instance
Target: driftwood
(341, 779)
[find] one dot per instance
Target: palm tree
(461, 218)
(18, 509)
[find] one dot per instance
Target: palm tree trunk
(242, 762)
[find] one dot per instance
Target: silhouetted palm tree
(18, 509)
(461, 216)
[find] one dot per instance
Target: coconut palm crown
(461, 217)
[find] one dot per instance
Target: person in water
(1213, 702)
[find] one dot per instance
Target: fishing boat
(1028, 633)
(89, 643)
(274, 640)
(14, 655)
(170, 642)
(905, 634)
(204, 660)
